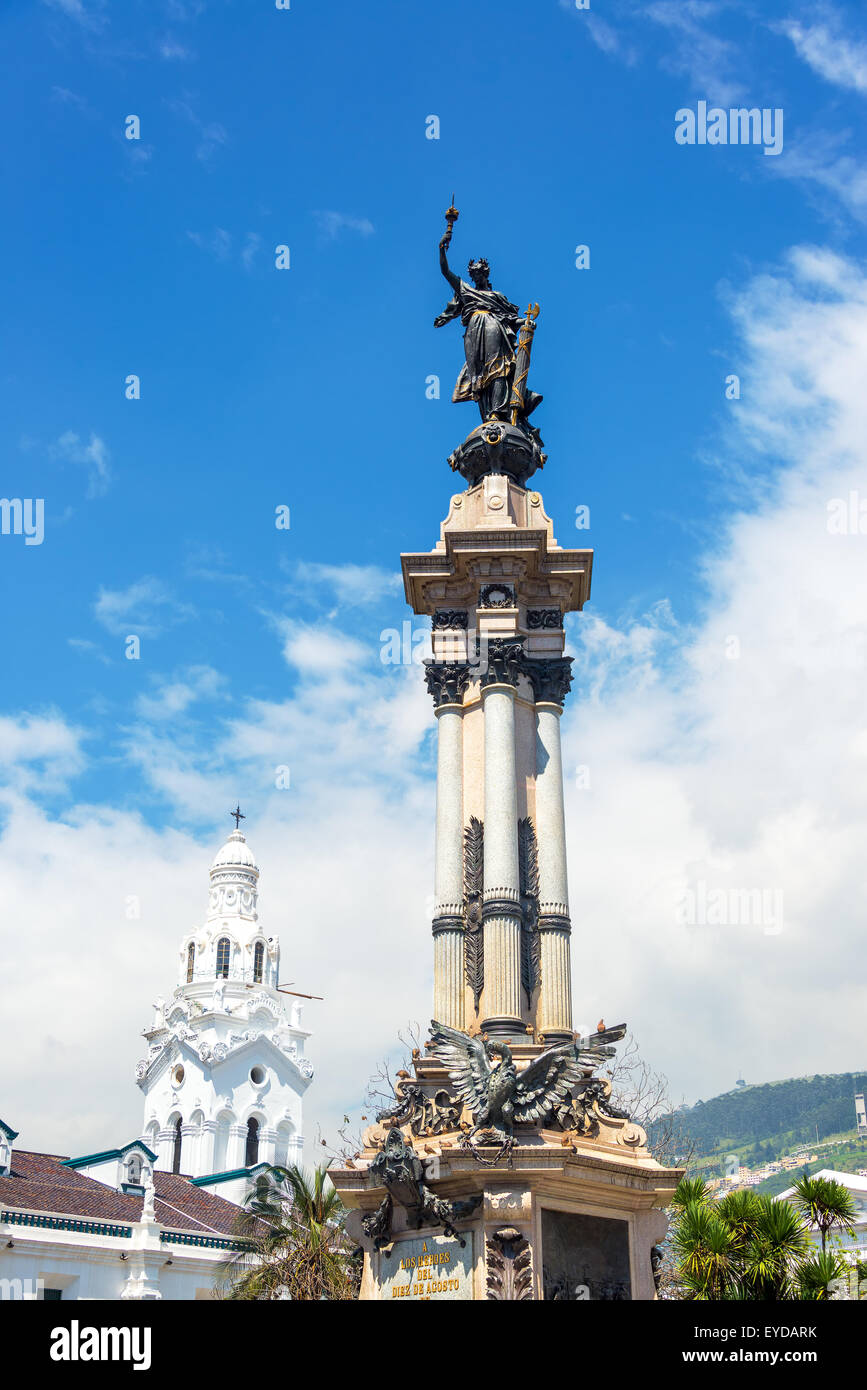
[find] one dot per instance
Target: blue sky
(306, 387)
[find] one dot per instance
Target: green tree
(291, 1241)
(746, 1246)
(825, 1203)
(817, 1275)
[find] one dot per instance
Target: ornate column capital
(446, 681)
(502, 661)
(551, 678)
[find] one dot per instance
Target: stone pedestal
(573, 1218)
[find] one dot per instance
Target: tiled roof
(40, 1182)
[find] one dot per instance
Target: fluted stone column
(554, 1013)
(448, 924)
(501, 908)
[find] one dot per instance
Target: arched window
(223, 949)
(176, 1157)
(191, 962)
(251, 1154)
(258, 961)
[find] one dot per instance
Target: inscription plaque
(431, 1267)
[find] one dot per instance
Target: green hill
(759, 1123)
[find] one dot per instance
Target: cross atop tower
(239, 816)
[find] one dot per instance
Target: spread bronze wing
(467, 1061)
(548, 1081)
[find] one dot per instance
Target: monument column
(446, 681)
(501, 903)
(551, 680)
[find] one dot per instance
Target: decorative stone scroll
(544, 618)
(426, 1115)
(450, 618)
(509, 1265)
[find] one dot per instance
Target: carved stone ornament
(544, 618)
(450, 618)
(551, 678)
(446, 681)
(531, 952)
(509, 1265)
(497, 596)
(426, 1115)
(474, 941)
(400, 1171)
(582, 1111)
(502, 661)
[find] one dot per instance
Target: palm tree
(702, 1245)
(291, 1240)
(778, 1240)
(817, 1275)
(745, 1246)
(825, 1203)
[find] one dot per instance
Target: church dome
(235, 853)
(234, 880)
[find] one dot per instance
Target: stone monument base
(561, 1216)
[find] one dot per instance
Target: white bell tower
(225, 1071)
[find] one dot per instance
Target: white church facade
(222, 1084)
(225, 1072)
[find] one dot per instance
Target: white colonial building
(222, 1083)
(225, 1071)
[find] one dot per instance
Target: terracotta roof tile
(39, 1182)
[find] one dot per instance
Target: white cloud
(747, 772)
(219, 243)
(839, 60)
(175, 697)
(39, 751)
(88, 648)
(144, 609)
(712, 64)
(93, 456)
(212, 134)
(173, 51)
(353, 586)
(605, 35)
(249, 250)
(331, 224)
(822, 159)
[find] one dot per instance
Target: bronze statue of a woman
(491, 325)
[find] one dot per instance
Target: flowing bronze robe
(490, 329)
